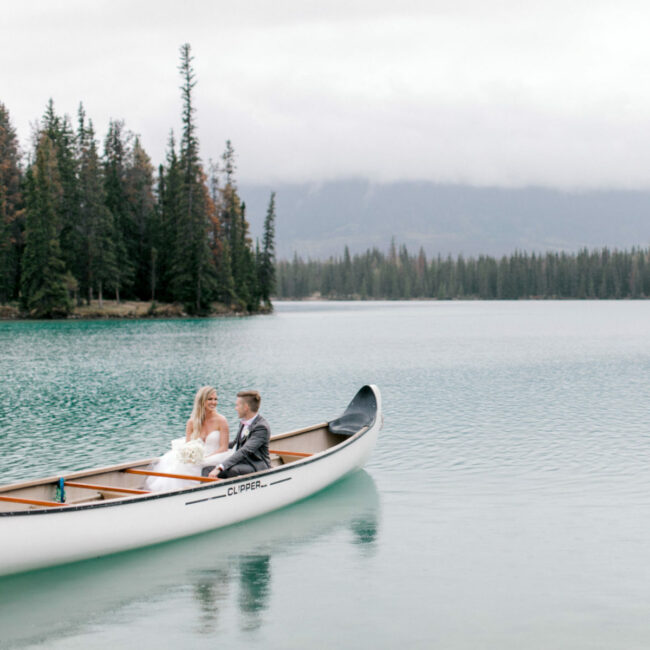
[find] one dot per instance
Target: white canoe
(106, 510)
(239, 559)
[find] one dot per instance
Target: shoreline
(130, 310)
(146, 310)
(356, 298)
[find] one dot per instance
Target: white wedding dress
(170, 464)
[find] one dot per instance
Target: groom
(252, 442)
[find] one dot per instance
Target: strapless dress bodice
(212, 442)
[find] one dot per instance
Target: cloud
(500, 93)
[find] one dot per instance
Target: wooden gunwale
(289, 434)
(33, 502)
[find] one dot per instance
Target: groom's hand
(215, 473)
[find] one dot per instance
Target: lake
(506, 505)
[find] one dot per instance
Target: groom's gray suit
(251, 451)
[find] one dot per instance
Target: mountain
(318, 220)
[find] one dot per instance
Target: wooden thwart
(32, 502)
(105, 488)
(299, 454)
(144, 472)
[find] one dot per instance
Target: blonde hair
(198, 410)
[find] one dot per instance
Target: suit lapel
(240, 441)
(241, 428)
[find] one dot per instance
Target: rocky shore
(127, 309)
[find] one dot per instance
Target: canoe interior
(114, 482)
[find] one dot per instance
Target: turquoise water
(507, 503)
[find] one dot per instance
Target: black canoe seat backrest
(361, 412)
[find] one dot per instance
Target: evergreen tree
(231, 201)
(346, 274)
(266, 273)
(194, 274)
(100, 266)
(604, 274)
(169, 198)
(61, 133)
(185, 242)
(141, 201)
(11, 212)
(236, 235)
(44, 292)
(125, 242)
(242, 258)
(220, 244)
(249, 285)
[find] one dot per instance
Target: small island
(85, 234)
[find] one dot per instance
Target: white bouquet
(190, 453)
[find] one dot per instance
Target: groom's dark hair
(252, 398)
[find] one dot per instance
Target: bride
(204, 424)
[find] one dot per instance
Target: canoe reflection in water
(255, 576)
(211, 591)
(226, 568)
(253, 572)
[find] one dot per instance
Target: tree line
(587, 274)
(78, 224)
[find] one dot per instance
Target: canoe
(106, 510)
(228, 559)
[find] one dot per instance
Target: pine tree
(139, 186)
(266, 273)
(230, 203)
(44, 293)
(236, 234)
(11, 212)
(248, 288)
(101, 269)
(194, 274)
(169, 193)
(61, 133)
(347, 283)
(235, 229)
(125, 241)
(225, 288)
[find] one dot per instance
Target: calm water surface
(507, 504)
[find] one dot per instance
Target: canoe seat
(287, 456)
(276, 460)
(88, 499)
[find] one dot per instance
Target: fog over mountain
(319, 220)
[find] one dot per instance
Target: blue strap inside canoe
(60, 490)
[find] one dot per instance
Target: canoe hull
(43, 538)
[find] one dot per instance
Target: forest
(588, 274)
(82, 222)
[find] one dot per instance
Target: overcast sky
(486, 92)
